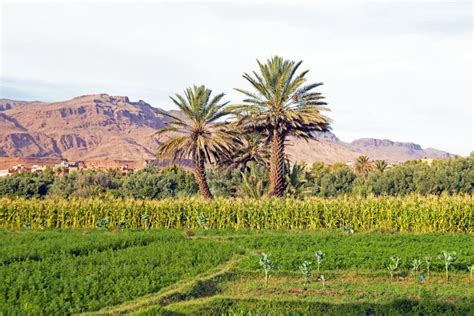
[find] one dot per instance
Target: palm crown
(363, 165)
(200, 134)
(281, 103)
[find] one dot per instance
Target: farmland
(206, 271)
(412, 213)
(195, 256)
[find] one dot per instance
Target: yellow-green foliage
(409, 213)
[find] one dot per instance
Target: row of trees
(451, 176)
(212, 132)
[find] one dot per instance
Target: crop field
(413, 213)
(213, 272)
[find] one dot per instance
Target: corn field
(407, 214)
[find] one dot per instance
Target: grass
(64, 282)
(174, 272)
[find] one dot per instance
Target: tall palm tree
(380, 165)
(200, 134)
(281, 106)
(363, 166)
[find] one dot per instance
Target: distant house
(4, 173)
(38, 169)
(66, 167)
(125, 170)
(19, 169)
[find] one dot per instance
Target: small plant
(122, 224)
(202, 221)
(421, 277)
(102, 223)
(348, 230)
(471, 269)
(448, 258)
(306, 270)
(42, 223)
(323, 280)
(415, 266)
(428, 261)
(27, 226)
(145, 219)
(267, 265)
(319, 255)
(393, 266)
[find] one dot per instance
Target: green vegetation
(214, 272)
(409, 213)
(249, 178)
(113, 255)
(267, 265)
(278, 107)
(306, 270)
(448, 258)
(71, 271)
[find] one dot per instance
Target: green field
(67, 271)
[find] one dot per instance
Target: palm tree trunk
(277, 165)
(200, 175)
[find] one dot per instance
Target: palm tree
(363, 166)
(253, 182)
(199, 135)
(249, 150)
(297, 184)
(380, 165)
(281, 106)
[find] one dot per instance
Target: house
(19, 169)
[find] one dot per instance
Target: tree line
(449, 176)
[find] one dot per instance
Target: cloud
(396, 70)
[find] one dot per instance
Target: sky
(398, 70)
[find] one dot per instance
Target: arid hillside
(113, 128)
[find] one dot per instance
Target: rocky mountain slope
(104, 127)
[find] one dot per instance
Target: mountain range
(112, 128)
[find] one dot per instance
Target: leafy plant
(471, 269)
(323, 280)
(428, 261)
(253, 184)
(122, 224)
(393, 266)
(202, 221)
(103, 223)
(348, 230)
(145, 218)
(296, 183)
(267, 265)
(448, 258)
(415, 266)
(306, 270)
(319, 255)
